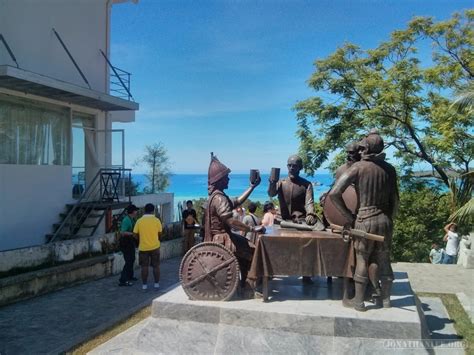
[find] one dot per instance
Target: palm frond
(465, 214)
(465, 99)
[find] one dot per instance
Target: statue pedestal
(297, 319)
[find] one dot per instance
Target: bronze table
(291, 252)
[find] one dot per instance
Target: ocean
(194, 186)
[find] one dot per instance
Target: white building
(56, 109)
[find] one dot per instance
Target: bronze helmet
(217, 170)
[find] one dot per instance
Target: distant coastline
(194, 186)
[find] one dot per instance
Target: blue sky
(223, 76)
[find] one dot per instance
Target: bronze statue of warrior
(352, 156)
(330, 213)
(375, 182)
(219, 221)
(295, 194)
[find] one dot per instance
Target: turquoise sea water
(194, 186)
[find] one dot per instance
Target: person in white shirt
(251, 220)
(452, 242)
(269, 214)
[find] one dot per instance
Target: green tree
(423, 213)
(391, 89)
(157, 162)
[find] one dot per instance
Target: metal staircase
(108, 191)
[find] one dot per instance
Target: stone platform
(297, 319)
(315, 310)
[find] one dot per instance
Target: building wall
(82, 25)
(32, 196)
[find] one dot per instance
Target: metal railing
(119, 81)
(109, 186)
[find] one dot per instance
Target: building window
(34, 133)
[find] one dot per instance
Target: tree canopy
(398, 91)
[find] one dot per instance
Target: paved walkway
(436, 278)
(56, 322)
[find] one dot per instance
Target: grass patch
(462, 322)
(111, 332)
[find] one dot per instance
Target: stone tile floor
(55, 322)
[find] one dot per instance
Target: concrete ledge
(46, 255)
(30, 284)
(309, 311)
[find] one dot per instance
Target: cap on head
(217, 170)
(131, 209)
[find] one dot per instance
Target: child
(436, 254)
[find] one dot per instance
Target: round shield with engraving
(332, 214)
(210, 272)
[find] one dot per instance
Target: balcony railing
(119, 81)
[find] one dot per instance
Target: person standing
(127, 246)
(148, 229)
(251, 220)
(189, 220)
(452, 242)
(268, 214)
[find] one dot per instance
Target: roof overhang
(36, 84)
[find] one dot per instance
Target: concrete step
(440, 326)
(167, 336)
(296, 320)
(315, 309)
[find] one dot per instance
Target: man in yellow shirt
(148, 229)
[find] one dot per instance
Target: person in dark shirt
(127, 246)
(189, 223)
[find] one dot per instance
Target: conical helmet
(217, 170)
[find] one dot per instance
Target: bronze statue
(375, 183)
(219, 221)
(352, 156)
(295, 194)
(332, 215)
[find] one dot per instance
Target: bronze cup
(254, 173)
(275, 174)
